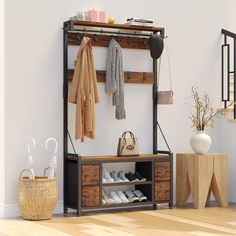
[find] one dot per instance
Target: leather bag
(165, 97)
(128, 145)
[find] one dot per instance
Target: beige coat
(84, 92)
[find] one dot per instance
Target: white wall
(232, 15)
(34, 77)
(227, 129)
(2, 113)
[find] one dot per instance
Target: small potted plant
(202, 118)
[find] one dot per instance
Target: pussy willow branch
(218, 112)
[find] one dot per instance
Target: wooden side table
(201, 175)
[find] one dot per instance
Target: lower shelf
(122, 206)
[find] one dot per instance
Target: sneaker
(107, 198)
(115, 197)
(115, 177)
(122, 197)
(131, 177)
(103, 201)
(121, 175)
(106, 177)
(131, 197)
(104, 181)
(140, 177)
(140, 196)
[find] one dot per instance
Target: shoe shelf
(118, 207)
(85, 186)
(127, 183)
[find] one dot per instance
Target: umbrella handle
(56, 144)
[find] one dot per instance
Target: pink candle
(92, 15)
(102, 16)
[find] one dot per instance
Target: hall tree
(83, 185)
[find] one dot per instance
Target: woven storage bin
(37, 197)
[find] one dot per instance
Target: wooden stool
(201, 175)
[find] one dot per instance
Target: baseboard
(12, 210)
(1, 211)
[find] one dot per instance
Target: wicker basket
(36, 197)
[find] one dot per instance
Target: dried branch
(203, 115)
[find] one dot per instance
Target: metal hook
(144, 76)
(145, 41)
(129, 40)
(128, 75)
(95, 38)
(56, 144)
(85, 34)
(118, 33)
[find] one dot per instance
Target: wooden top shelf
(115, 26)
(141, 157)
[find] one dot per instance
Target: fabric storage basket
(36, 197)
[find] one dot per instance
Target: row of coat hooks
(133, 37)
(116, 35)
(129, 76)
(128, 36)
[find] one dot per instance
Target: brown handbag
(127, 146)
(165, 97)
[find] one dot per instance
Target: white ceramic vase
(200, 142)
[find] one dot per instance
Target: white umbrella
(30, 158)
(53, 161)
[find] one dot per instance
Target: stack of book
(139, 21)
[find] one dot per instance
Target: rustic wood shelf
(140, 158)
(129, 77)
(75, 23)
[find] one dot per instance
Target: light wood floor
(211, 221)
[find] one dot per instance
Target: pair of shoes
(135, 196)
(114, 197)
(121, 175)
(106, 198)
(106, 178)
(113, 177)
(133, 177)
(140, 196)
(119, 197)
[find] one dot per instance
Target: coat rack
(128, 36)
(132, 37)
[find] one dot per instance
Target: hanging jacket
(115, 78)
(84, 92)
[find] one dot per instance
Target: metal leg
(78, 212)
(66, 210)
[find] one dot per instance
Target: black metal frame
(226, 34)
(69, 27)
